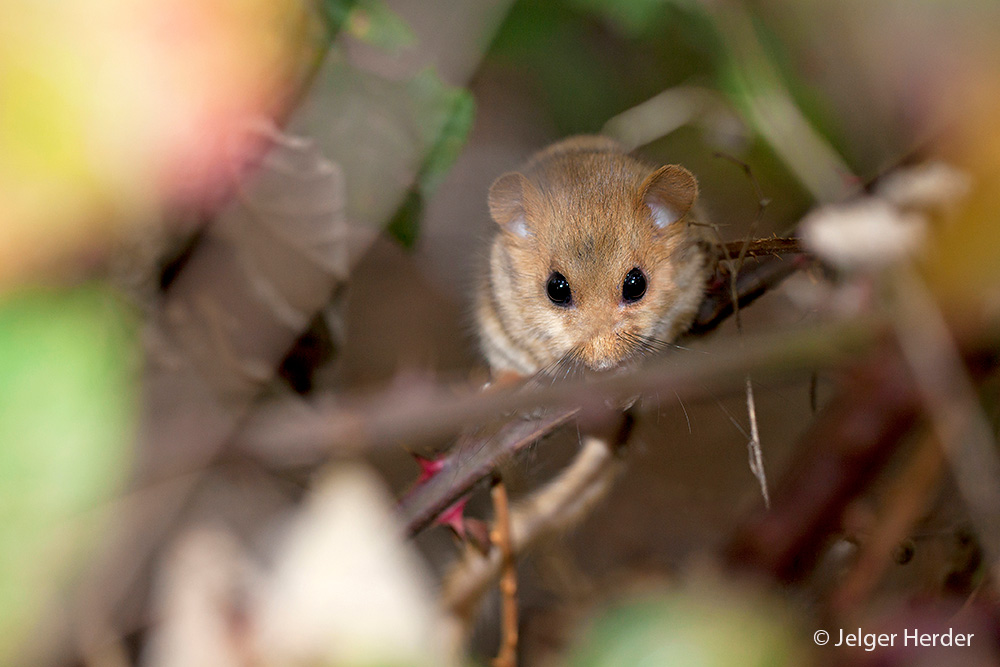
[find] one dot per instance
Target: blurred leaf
(335, 14)
(809, 98)
(452, 136)
(112, 108)
(635, 17)
(405, 224)
(66, 417)
(385, 134)
(346, 589)
(197, 602)
(586, 73)
(963, 267)
(749, 77)
(374, 23)
(697, 629)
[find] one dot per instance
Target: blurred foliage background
(214, 212)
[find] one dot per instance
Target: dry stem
(554, 508)
(507, 657)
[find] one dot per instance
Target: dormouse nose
(602, 349)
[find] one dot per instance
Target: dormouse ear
(507, 203)
(669, 192)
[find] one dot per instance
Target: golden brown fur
(587, 209)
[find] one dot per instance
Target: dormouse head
(597, 262)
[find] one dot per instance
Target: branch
(554, 508)
(417, 412)
(775, 260)
(424, 411)
(473, 458)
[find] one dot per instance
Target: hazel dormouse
(597, 263)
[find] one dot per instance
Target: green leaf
(388, 136)
(405, 225)
(635, 17)
(456, 112)
(561, 50)
(374, 23)
(335, 14)
(67, 392)
(460, 113)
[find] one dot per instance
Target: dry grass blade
(844, 448)
(754, 447)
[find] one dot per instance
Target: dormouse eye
(634, 286)
(558, 289)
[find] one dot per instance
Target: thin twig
(754, 448)
(769, 269)
(556, 507)
(500, 537)
(761, 247)
(762, 204)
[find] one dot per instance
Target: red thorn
(428, 467)
(453, 518)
